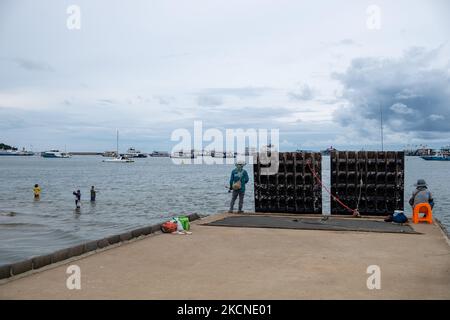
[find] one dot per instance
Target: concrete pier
(252, 263)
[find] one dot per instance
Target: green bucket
(184, 222)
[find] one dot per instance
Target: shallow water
(131, 195)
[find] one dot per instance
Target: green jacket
(235, 176)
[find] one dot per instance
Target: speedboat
(54, 154)
(120, 159)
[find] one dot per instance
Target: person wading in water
(77, 195)
(37, 192)
(93, 194)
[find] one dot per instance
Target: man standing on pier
(238, 179)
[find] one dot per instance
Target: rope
(355, 212)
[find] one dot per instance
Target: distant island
(7, 147)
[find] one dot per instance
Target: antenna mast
(117, 143)
(381, 128)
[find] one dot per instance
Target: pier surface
(253, 263)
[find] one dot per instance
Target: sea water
(132, 195)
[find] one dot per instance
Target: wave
(8, 213)
(20, 224)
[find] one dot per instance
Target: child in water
(37, 191)
(77, 195)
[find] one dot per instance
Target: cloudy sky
(319, 71)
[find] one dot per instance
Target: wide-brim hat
(420, 183)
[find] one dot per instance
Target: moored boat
(157, 154)
(15, 153)
(437, 157)
(120, 159)
(133, 153)
(183, 155)
(54, 154)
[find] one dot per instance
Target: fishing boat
(55, 154)
(119, 158)
(437, 157)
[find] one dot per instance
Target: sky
(318, 71)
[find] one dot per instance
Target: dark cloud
(32, 65)
(412, 91)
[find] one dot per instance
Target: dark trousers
(234, 196)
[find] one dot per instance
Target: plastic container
(184, 222)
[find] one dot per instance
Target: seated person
(421, 194)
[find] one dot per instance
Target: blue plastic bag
(399, 217)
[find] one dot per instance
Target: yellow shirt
(37, 191)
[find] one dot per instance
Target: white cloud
(401, 108)
(435, 117)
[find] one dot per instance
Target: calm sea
(131, 195)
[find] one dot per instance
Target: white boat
(222, 154)
(133, 153)
(159, 154)
(183, 155)
(54, 154)
(119, 158)
(15, 153)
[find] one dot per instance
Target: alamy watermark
(215, 146)
(73, 282)
(73, 21)
(373, 21)
(374, 280)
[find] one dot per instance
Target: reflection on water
(131, 195)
